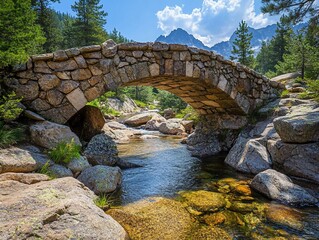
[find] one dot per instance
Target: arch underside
(205, 99)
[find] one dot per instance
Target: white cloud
(256, 20)
(214, 21)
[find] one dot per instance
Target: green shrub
(103, 202)
(140, 104)
(312, 90)
(189, 113)
(284, 93)
(10, 136)
(64, 152)
(45, 170)
(9, 107)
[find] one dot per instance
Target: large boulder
(15, 159)
(48, 134)
(101, 179)
(126, 105)
(299, 128)
(140, 119)
(154, 123)
(172, 126)
(249, 156)
(87, 123)
(278, 186)
(102, 150)
(59, 209)
(299, 160)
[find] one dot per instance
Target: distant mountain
(180, 36)
(224, 48)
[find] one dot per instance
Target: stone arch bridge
(57, 85)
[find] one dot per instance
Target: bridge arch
(57, 85)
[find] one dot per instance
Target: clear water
(168, 167)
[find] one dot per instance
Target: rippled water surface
(168, 167)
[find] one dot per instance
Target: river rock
(15, 159)
(249, 156)
(101, 179)
(87, 123)
(204, 201)
(154, 218)
(116, 125)
(26, 178)
(278, 186)
(59, 209)
(299, 160)
(48, 134)
(155, 122)
(169, 113)
(59, 171)
(188, 125)
(139, 119)
(172, 126)
(77, 165)
(102, 150)
(300, 128)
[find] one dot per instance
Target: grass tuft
(9, 136)
(64, 152)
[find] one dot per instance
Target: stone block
(77, 99)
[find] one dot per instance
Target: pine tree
(263, 57)
(242, 50)
(300, 56)
(88, 26)
(50, 24)
(296, 10)
(19, 34)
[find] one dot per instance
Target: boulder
(169, 113)
(188, 125)
(87, 123)
(102, 150)
(155, 218)
(15, 159)
(172, 126)
(278, 186)
(140, 119)
(300, 128)
(48, 134)
(59, 209)
(249, 156)
(59, 171)
(116, 125)
(154, 123)
(299, 160)
(77, 165)
(26, 178)
(101, 179)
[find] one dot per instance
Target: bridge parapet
(57, 85)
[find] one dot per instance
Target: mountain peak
(180, 36)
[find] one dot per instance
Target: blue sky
(211, 21)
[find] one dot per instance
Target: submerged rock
(204, 201)
(48, 134)
(59, 209)
(101, 179)
(278, 186)
(102, 150)
(154, 218)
